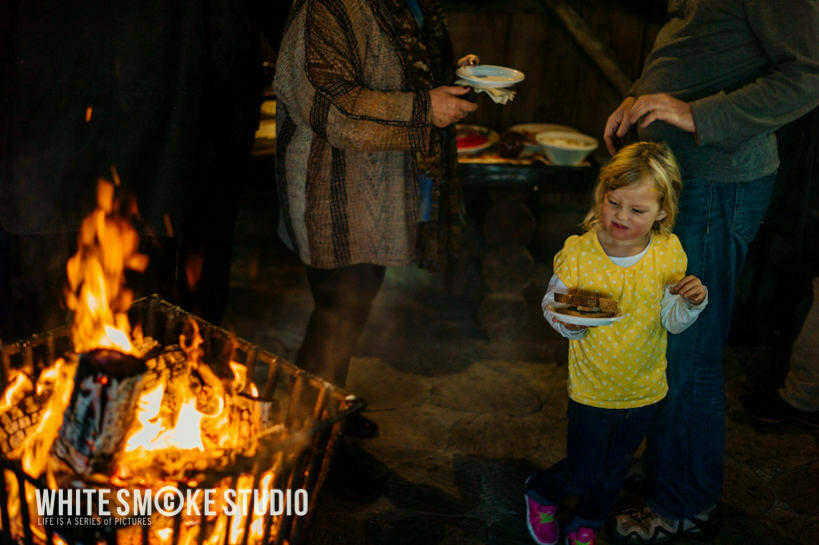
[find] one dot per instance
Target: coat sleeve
(789, 90)
(345, 112)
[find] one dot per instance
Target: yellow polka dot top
(621, 365)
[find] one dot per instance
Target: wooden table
(502, 200)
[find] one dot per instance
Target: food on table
(529, 136)
(511, 144)
(470, 137)
(563, 142)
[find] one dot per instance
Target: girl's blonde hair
(634, 164)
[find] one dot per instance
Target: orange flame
(107, 246)
(217, 536)
(239, 376)
(16, 390)
(96, 292)
(36, 446)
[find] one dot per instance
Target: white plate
(579, 320)
(486, 131)
(489, 75)
(530, 130)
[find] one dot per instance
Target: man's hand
(691, 288)
(469, 60)
(446, 107)
(618, 124)
(647, 109)
(664, 107)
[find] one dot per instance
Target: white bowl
(564, 147)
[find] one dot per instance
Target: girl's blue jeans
(686, 440)
(600, 446)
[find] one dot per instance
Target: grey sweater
(747, 67)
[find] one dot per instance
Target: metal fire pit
(310, 409)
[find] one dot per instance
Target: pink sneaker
(583, 536)
(541, 521)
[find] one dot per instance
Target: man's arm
(788, 91)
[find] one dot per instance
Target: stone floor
(464, 418)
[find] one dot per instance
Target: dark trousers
(342, 298)
(33, 279)
(686, 441)
(600, 446)
(32, 276)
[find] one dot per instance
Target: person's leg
(206, 244)
(798, 399)
(5, 285)
(627, 429)
(801, 389)
(342, 298)
(686, 438)
(588, 435)
(36, 277)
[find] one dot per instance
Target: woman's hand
(446, 108)
(691, 288)
(469, 60)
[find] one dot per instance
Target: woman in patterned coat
(366, 156)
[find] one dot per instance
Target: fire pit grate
(308, 409)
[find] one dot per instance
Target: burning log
(289, 452)
(107, 385)
(122, 410)
(17, 416)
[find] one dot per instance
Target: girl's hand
(691, 288)
(469, 60)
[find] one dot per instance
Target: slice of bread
(607, 305)
(576, 299)
(586, 302)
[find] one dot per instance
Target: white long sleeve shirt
(676, 312)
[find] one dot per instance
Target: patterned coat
(349, 127)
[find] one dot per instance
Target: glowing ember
(152, 435)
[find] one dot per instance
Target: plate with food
(472, 138)
(530, 131)
(490, 75)
(585, 309)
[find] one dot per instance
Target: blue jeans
(600, 446)
(686, 440)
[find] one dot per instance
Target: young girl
(616, 372)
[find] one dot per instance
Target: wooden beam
(582, 34)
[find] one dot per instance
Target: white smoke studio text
(170, 501)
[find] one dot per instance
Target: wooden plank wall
(562, 84)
